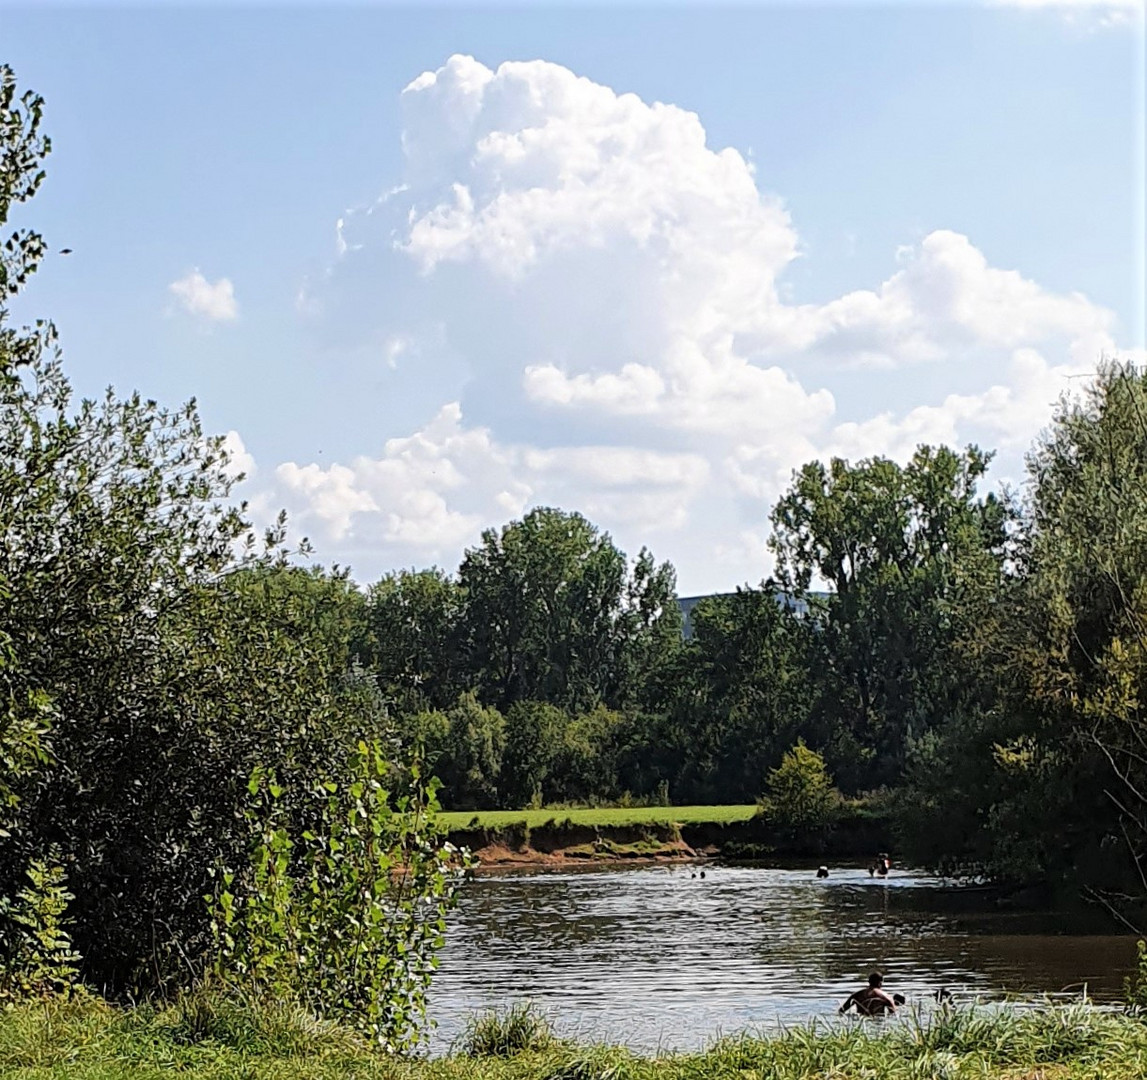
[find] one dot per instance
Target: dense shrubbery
(344, 917)
(154, 655)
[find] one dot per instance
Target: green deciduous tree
(585, 765)
(1041, 775)
(24, 709)
(535, 731)
(463, 746)
(169, 648)
(552, 613)
(902, 547)
(413, 638)
(1080, 646)
(747, 693)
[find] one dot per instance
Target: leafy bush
(36, 954)
(346, 917)
(800, 792)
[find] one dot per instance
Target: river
(659, 957)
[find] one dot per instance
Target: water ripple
(658, 959)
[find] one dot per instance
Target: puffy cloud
(330, 495)
(240, 462)
(946, 299)
(527, 168)
(431, 492)
(594, 290)
(198, 296)
(538, 168)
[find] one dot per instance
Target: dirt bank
(565, 845)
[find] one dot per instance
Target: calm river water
(655, 957)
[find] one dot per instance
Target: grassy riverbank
(202, 1041)
(608, 817)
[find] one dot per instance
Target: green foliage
(24, 710)
(345, 917)
(25, 715)
(504, 1032)
(464, 748)
(1083, 657)
(534, 732)
(1135, 985)
(553, 615)
(742, 697)
(1039, 775)
(586, 762)
(36, 954)
(908, 551)
(413, 638)
(22, 152)
(800, 792)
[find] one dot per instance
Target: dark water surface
(654, 957)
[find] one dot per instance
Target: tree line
(213, 755)
(974, 659)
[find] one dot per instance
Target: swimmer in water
(872, 1000)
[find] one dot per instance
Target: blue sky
(644, 270)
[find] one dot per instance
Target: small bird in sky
(65, 251)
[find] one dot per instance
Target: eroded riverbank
(568, 843)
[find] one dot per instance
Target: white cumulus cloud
(198, 296)
(592, 290)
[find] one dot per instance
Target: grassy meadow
(201, 1039)
(603, 817)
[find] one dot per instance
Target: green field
(95, 1042)
(614, 816)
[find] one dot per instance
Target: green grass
(613, 816)
(200, 1041)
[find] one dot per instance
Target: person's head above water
(876, 980)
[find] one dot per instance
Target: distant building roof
(784, 599)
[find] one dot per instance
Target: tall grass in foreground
(209, 1038)
(505, 1032)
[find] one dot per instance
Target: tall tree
(901, 549)
(1082, 652)
(748, 656)
(413, 638)
(169, 648)
(24, 709)
(553, 615)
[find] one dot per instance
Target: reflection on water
(655, 957)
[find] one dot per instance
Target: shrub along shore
(211, 1039)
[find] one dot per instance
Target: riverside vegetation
(216, 763)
